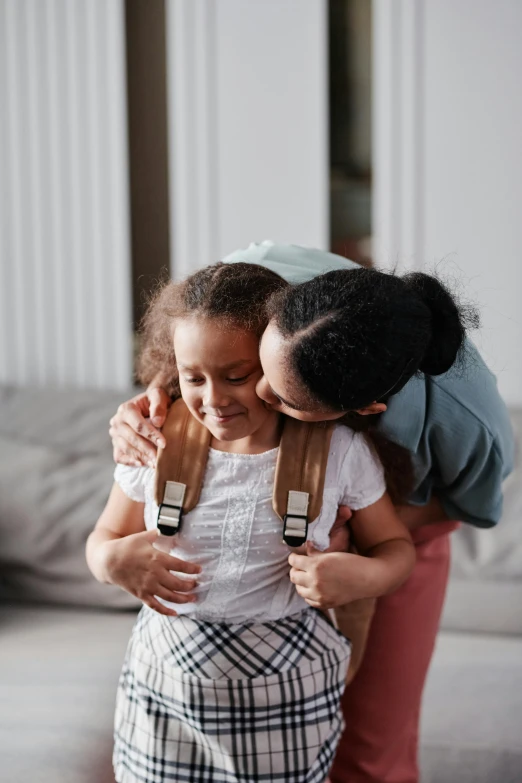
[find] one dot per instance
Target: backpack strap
(299, 477)
(180, 467)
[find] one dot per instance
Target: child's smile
(219, 368)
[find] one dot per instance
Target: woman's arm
(386, 559)
(134, 428)
(120, 551)
(414, 517)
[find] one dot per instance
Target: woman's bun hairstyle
(359, 335)
(447, 322)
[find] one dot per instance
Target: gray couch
(63, 636)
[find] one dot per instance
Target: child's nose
(216, 396)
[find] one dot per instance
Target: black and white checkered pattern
(216, 703)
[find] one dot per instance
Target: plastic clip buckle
(169, 519)
(295, 533)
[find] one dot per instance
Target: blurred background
(144, 136)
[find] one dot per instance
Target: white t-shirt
(236, 536)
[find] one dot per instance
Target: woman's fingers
(344, 513)
(124, 454)
(129, 447)
(129, 413)
(159, 402)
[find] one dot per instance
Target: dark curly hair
(236, 294)
(358, 335)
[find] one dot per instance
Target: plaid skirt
(219, 703)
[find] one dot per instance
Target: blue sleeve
(458, 430)
(468, 471)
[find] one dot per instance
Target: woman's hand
(134, 428)
(329, 579)
(138, 567)
(340, 532)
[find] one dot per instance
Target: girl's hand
(135, 437)
(138, 567)
(329, 579)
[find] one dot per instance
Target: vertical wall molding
(191, 58)
(398, 134)
(64, 246)
(248, 146)
(448, 171)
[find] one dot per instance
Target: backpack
(297, 495)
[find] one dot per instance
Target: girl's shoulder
(354, 467)
(344, 440)
(134, 481)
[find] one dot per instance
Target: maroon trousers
(382, 704)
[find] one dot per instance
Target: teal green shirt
(455, 425)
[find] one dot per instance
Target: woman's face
(280, 388)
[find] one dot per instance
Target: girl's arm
(120, 551)
(385, 560)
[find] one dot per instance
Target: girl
(239, 680)
(333, 337)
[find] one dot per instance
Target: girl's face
(219, 369)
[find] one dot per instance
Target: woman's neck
(267, 437)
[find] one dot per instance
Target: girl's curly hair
(236, 294)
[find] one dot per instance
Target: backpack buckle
(170, 512)
(295, 520)
(169, 519)
(295, 529)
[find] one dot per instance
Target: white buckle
(296, 520)
(295, 526)
(171, 510)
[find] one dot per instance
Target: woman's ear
(375, 407)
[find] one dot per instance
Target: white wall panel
(64, 250)
(247, 125)
(448, 167)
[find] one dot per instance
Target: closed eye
(285, 403)
(195, 380)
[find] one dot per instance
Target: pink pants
(382, 705)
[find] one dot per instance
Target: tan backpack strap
(299, 477)
(180, 467)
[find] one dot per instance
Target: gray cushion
(55, 475)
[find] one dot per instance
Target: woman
(455, 425)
